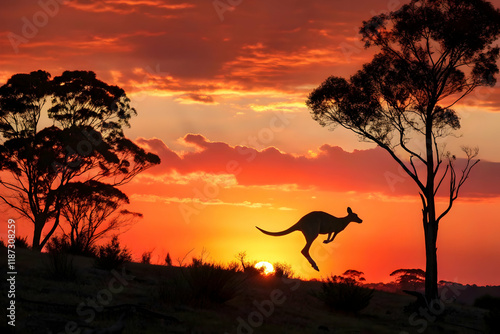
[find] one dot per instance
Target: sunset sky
(220, 93)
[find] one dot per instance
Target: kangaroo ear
(349, 210)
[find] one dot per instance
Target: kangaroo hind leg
(305, 252)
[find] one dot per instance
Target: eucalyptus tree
(85, 142)
(431, 54)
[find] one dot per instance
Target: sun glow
(267, 267)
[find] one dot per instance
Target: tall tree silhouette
(85, 142)
(432, 54)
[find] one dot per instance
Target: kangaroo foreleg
(328, 240)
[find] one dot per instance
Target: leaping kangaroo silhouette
(314, 224)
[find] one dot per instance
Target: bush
(58, 245)
(22, 242)
(112, 255)
(345, 294)
(83, 250)
(283, 270)
(233, 266)
(168, 260)
(63, 244)
(60, 264)
(201, 284)
(146, 257)
(212, 283)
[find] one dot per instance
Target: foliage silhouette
(248, 267)
(409, 278)
(60, 263)
(201, 284)
(146, 257)
(85, 141)
(433, 53)
(112, 255)
(345, 294)
(355, 275)
(283, 270)
(168, 260)
(92, 210)
(22, 242)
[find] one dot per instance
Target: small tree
(409, 278)
(355, 275)
(168, 260)
(433, 53)
(92, 211)
(242, 257)
(146, 257)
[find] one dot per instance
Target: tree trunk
(430, 223)
(37, 234)
(431, 278)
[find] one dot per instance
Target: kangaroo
(314, 224)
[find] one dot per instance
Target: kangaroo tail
(278, 234)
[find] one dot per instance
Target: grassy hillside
(160, 299)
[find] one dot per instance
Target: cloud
(257, 47)
(124, 7)
(250, 49)
(198, 201)
(330, 168)
(196, 98)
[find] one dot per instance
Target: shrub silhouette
(60, 262)
(64, 244)
(112, 255)
(283, 270)
(212, 283)
(168, 260)
(201, 285)
(146, 257)
(22, 242)
(345, 294)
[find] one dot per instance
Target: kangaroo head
(353, 217)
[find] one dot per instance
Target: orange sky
(220, 97)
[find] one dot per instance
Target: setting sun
(268, 267)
